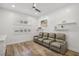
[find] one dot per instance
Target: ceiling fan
(35, 8)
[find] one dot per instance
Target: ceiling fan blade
(34, 6)
(37, 10)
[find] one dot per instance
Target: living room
(22, 23)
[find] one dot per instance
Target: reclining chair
(59, 44)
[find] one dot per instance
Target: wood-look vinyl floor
(31, 48)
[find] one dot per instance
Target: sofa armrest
(64, 43)
(63, 47)
(35, 37)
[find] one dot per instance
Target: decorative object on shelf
(16, 30)
(23, 22)
(40, 29)
(29, 30)
(62, 26)
(21, 30)
(44, 23)
(25, 30)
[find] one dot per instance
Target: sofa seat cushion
(47, 41)
(40, 39)
(59, 40)
(44, 38)
(51, 39)
(56, 44)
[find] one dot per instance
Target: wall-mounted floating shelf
(64, 26)
(68, 23)
(21, 25)
(61, 29)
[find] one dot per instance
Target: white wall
(70, 14)
(8, 20)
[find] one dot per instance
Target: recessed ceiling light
(13, 6)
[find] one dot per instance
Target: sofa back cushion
(40, 34)
(60, 36)
(58, 40)
(51, 35)
(45, 34)
(51, 39)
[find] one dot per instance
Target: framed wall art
(44, 23)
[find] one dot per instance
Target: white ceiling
(26, 8)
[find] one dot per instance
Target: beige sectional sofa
(54, 41)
